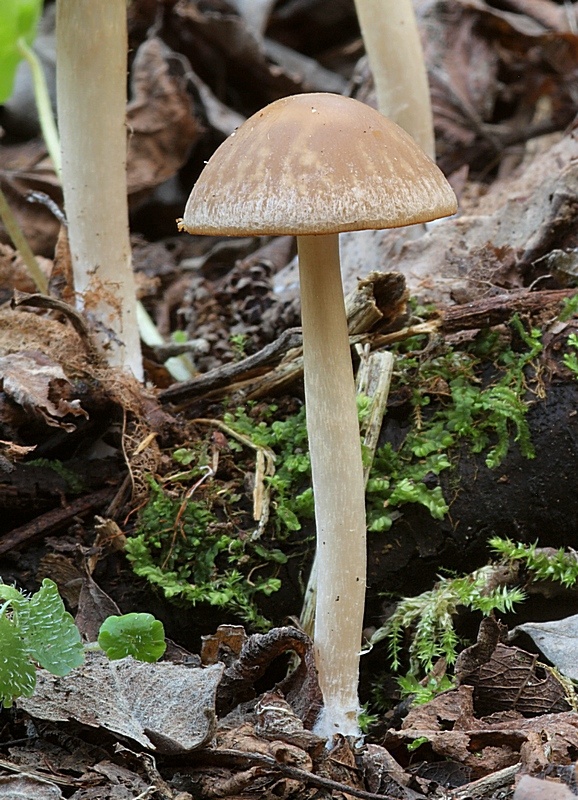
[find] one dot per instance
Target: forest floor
(190, 499)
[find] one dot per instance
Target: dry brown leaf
(39, 385)
(160, 118)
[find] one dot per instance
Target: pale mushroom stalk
(338, 484)
(395, 54)
(91, 100)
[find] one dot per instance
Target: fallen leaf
(536, 789)
(557, 641)
(38, 384)
(165, 707)
(27, 787)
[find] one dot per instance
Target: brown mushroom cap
(315, 164)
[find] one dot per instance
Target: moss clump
(486, 414)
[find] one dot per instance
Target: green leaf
(138, 635)
(18, 20)
(48, 630)
(17, 673)
(9, 593)
(289, 517)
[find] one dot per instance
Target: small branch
(47, 523)
(225, 375)
(264, 467)
(240, 757)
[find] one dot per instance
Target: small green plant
(366, 719)
(569, 308)
(34, 630)
(238, 342)
(416, 743)
(138, 635)
(570, 358)
(74, 483)
(429, 618)
(543, 565)
(425, 690)
(37, 630)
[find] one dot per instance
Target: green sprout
(138, 635)
(37, 631)
(34, 630)
(570, 358)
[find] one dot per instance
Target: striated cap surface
(315, 164)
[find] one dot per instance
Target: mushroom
(91, 64)
(313, 165)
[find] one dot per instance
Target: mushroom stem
(393, 45)
(338, 484)
(91, 53)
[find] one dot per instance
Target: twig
(264, 467)
(225, 375)
(486, 786)
(47, 523)
(293, 772)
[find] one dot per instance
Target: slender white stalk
(395, 54)
(338, 483)
(91, 100)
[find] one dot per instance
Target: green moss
(183, 548)
(202, 547)
(487, 416)
(570, 358)
(429, 618)
(74, 484)
(543, 565)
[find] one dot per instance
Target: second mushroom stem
(338, 482)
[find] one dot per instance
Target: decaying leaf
(509, 679)
(557, 641)
(448, 726)
(28, 787)
(38, 384)
(160, 118)
(164, 706)
(541, 789)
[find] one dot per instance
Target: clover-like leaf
(17, 673)
(49, 632)
(138, 635)
(18, 20)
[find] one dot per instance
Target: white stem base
(338, 483)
